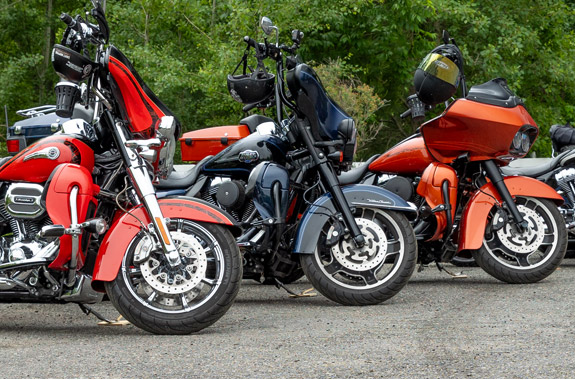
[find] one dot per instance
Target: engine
(23, 214)
(566, 184)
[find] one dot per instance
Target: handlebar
(250, 41)
(68, 20)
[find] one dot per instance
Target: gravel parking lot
(436, 327)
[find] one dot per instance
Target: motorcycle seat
(254, 120)
(182, 179)
(355, 174)
(535, 167)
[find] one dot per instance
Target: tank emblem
(248, 156)
(50, 153)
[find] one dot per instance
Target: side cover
(57, 200)
(318, 213)
(125, 228)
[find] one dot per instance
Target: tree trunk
(48, 42)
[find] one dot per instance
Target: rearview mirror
(267, 25)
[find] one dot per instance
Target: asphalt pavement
(436, 327)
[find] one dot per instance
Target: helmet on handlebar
(438, 75)
(251, 88)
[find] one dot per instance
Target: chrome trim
(50, 153)
(46, 255)
(27, 195)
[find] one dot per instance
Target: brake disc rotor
(163, 279)
(367, 257)
(527, 241)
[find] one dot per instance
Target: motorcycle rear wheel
(160, 300)
(527, 257)
(369, 275)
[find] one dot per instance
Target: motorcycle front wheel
(176, 301)
(523, 257)
(368, 275)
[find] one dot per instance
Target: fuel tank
(36, 163)
(241, 157)
(410, 156)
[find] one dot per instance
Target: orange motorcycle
(451, 170)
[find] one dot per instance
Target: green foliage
(357, 98)
(369, 50)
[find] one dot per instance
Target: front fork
(494, 174)
(139, 175)
(333, 186)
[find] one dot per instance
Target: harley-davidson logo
(50, 153)
(248, 156)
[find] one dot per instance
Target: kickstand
(88, 310)
(305, 293)
(453, 275)
(120, 321)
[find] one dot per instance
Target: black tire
(209, 284)
(520, 258)
(347, 276)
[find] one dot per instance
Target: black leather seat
(254, 120)
(182, 179)
(355, 174)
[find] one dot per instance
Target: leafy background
(366, 52)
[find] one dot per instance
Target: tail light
(13, 146)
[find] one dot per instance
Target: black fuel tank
(240, 158)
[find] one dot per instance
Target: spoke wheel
(368, 275)
(526, 256)
(164, 300)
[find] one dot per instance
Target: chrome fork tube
(138, 173)
(75, 236)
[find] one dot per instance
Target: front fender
(125, 228)
(474, 219)
(316, 215)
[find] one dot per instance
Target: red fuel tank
(36, 163)
(408, 157)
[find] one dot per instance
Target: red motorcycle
(451, 170)
(169, 266)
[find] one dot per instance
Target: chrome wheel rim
(528, 249)
(370, 266)
(158, 287)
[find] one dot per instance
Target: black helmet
(254, 87)
(251, 88)
(437, 77)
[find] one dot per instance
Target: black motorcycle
(558, 171)
(354, 243)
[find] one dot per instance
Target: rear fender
(124, 229)
(318, 213)
(474, 219)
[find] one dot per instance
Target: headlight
(517, 140)
(523, 140)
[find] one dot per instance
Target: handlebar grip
(68, 20)
(405, 114)
(249, 107)
(250, 41)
